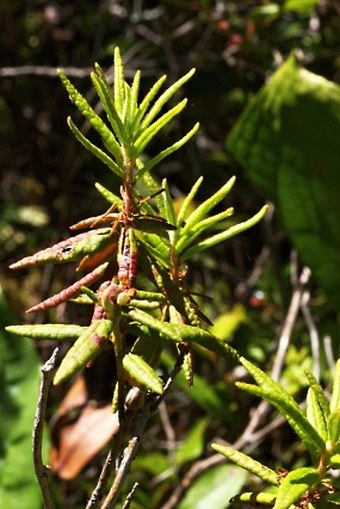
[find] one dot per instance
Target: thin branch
(327, 345)
(141, 419)
(124, 467)
(313, 334)
(44, 70)
(130, 496)
(42, 472)
(290, 322)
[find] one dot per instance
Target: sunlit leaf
(214, 488)
(294, 485)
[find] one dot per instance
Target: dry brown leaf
(81, 440)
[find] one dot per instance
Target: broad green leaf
(227, 323)
(19, 383)
(294, 485)
(54, 331)
(287, 406)
(315, 415)
(288, 141)
(154, 463)
(335, 398)
(86, 348)
(193, 445)
(214, 488)
(245, 461)
(142, 373)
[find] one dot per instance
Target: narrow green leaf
(95, 121)
(335, 398)
(317, 389)
(166, 152)
(134, 97)
(245, 461)
(170, 215)
(145, 105)
(182, 333)
(118, 81)
(334, 426)
(221, 237)
(106, 98)
(315, 414)
(97, 152)
(151, 131)
(109, 196)
(86, 347)
(155, 246)
(294, 485)
(183, 211)
(254, 499)
(204, 208)
(53, 331)
(187, 238)
(163, 99)
(142, 373)
(277, 396)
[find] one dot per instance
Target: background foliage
(46, 184)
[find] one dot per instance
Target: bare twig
(140, 421)
(290, 322)
(129, 498)
(41, 471)
(327, 345)
(313, 333)
(104, 477)
(124, 467)
(43, 70)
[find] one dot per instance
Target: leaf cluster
(318, 428)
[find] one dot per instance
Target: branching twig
(132, 447)
(41, 471)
